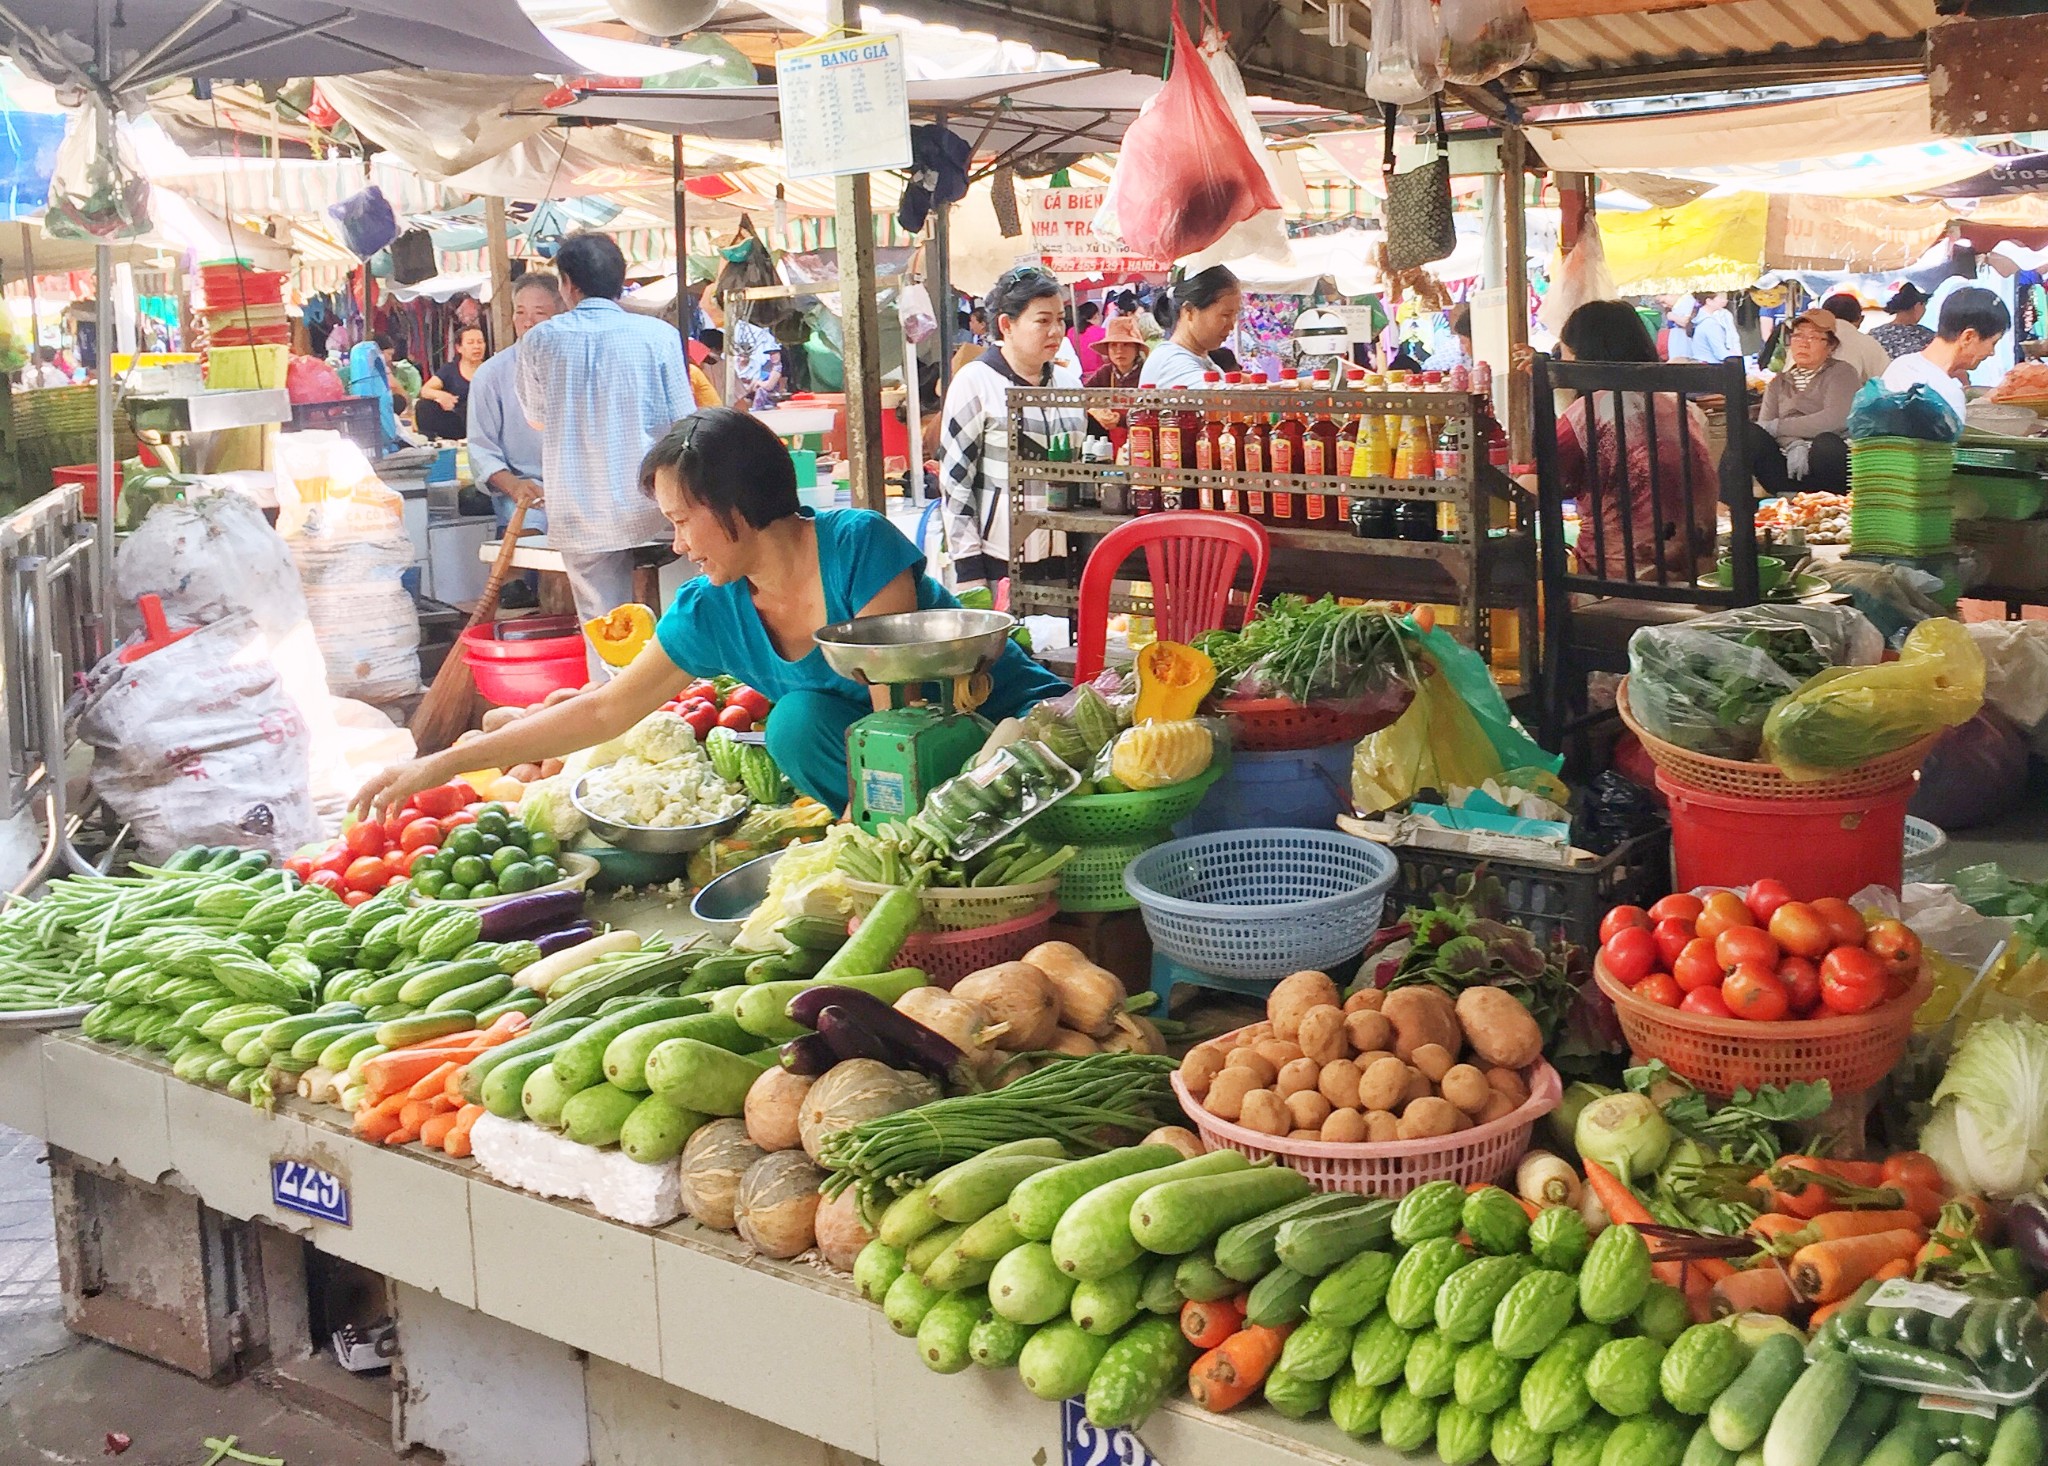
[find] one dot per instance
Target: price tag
(1085, 1444)
(1926, 1297)
(309, 1191)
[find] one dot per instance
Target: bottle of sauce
(1284, 454)
(1252, 451)
(1230, 445)
(1449, 467)
(1143, 441)
(1412, 447)
(1319, 455)
(1212, 429)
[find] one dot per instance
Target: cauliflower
(663, 794)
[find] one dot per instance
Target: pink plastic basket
(1392, 1168)
(946, 957)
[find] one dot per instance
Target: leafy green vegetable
(1741, 1128)
(1312, 651)
(1990, 1125)
(1709, 685)
(1990, 890)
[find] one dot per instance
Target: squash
(1172, 681)
(1020, 998)
(842, 1231)
(857, 1090)
(962, 1022)
(776, 1208)
(1090, 997)
(620, 633)
(715, 1159)
(774, 1109)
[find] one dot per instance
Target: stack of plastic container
(1902, 499)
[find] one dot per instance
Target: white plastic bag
(1484, 39)
(1405, 65)
(2016, 674)
(1582, 276)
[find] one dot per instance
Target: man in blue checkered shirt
(603, 386)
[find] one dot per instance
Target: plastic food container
(1002, 794)
(1817, 847)
(520, 662)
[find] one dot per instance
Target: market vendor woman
(774, 574)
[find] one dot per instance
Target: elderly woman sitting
(1796, 443)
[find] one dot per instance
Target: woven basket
(1101, 819)
(946, 957)
(960, 908)
(1280, 725)
(1767, 781)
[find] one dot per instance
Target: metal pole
(682, 216)
(498, 243)
(103, 326)
(1514, 153)
(941, 273)
(859, 318)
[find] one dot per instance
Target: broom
(443, 714)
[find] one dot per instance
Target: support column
(1514, 160)
(682, 227)
(498, 245)
(859, 318)
(940, 274)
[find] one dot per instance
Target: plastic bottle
(1319, 456)
(1284, 454)
(1143, 441)
(1229, 444)
(1252, 450)
(1449, 466)
(1212, 429)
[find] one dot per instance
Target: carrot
(375, 1124)
(1759, 1289)
(1829, 1226)
(1936, 1249)
(415, 1113)
(1856, 1173)
(1825, 1271)
(457, 1141)
(1772, 1226)
(401, 1136)
(1624, 1206)
(1230, 1373)
(1915, 1166)
(1825, 1312)
(454, 1085)
(434, 1082)
(1205, 1325)
(400, 1070)
(1898, 1267)
(1922, 1202)
(434, 1133)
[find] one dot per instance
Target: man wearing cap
(1796, 443)
(1903, 334)
(1851, 345)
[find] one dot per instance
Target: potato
(1419, 1086)
(1422, 1015)
(1338, 1083)
(1279, 1050)
(1381, 1125)
(549, 767)
(1226, 1096)
(1265, 1112)
(1297, 1075)
(1344, 1127)
(1366, 1060)
(1382, 1086)
(1255, 1035)
(1499, 1028)
(1509, 1083)
(1258, 1063)
(1322, 1034)
(496, 718)
(1425, 1119)
(1465, 1086)
(1293, 996)
(1434, 1060)
(1308, 1109)
(1367, 1029)
(1200, 1068)
(1179, 1137)
(1465, 1121)
(1365, 1000)
(1498, 1107)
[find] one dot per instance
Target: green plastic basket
(1101, 819)
(1094, 879)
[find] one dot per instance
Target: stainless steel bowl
(725, 904)
(655, 839)
(916, 646)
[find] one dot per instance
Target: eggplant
(2026, 1228)
(908, 1043)
(810, 1055)
(518, 916)
(851, 1038)
(568, 936)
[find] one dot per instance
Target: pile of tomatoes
(372, 854)
(701, 705)
(1759, 955)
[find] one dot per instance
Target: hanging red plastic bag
(1185, 174)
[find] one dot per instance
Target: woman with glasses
(773, 573)
(1026, 312)
(1796, 444)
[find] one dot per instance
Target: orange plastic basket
(1851, 1051)
(1281, 725)
(947, 956)
(1767, 781)
(1393, 1168)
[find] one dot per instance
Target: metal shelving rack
(1474, 568)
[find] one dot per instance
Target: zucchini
(1743, 1412)
(532, 1041)
(504, 1087)
(401, 1033)
(582, 1058)
(1806, 1420)
(595, 1116)
(973, 1188)
(1093, 1238)
(473, 997)
(625, 1057)
(693, 1075)
(1176, 1216)
(1316, 1244)
(1249, 1250)
(1279, 1298)
(1039, 1201)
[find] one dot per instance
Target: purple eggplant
(520, 916)
(568, 936)
(805, 1007)
(810, 1055)
(851, 1038)
(2026, 1229)
(865, 1020)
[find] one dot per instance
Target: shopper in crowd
(1971, 324)
(504, 448)
(1126, 303)
(1677, 343)
(1796, 442)
(1598, 430)
(1124, 352)
(1087, 337)
(1852, 346)
(1457, 352)
(702, 389)
(369, 375)
(443, 410)
(774, 573)
(1714, 337)
(974, 441)
(43, 370)
(1903, 334)
(1200, 312)
(977, 326)
(602, 385)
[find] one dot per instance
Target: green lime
(453, 892)
(442, 860)
(469, 870)
(464, 840)
(492, 806)
(518, 876)
(487, 843)
(518, 834)
(429, 882)
(482, 891)
(506, 855)
(546, 869)
(491, 821)
(540, 842)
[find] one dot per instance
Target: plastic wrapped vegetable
(1846, 716)
(1484, 39)
(1153, 755)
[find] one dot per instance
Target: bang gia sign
(1064, 239)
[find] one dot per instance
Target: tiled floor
(28, 1251)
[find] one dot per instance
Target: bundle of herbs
(1703, 1182)
(1314, 652)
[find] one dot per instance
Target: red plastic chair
(1191, 560)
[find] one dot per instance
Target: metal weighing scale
(896, 756)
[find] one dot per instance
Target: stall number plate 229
(1085, 1444)
(310, 1191)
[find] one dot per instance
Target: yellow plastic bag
(1846, 716)
(1436, 743)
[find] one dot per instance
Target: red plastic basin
(1824, 847)
(515, 673)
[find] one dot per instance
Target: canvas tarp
(1726, 243)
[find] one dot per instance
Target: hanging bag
(1405, 65)
(1484, 39)
(1419, 223)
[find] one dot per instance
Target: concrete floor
(60, 1396)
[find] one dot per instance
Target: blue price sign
(310, 1191)
(1084, 1444)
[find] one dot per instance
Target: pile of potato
(1403, 1065)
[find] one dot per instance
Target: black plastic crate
(355, 418)
(1549, 901)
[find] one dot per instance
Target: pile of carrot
(415, 1093)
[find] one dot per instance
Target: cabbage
(1989, 1133)
(806, 881)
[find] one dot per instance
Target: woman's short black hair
(462, 331)
(1973, 308)
(1844, 307)
(592, 263)
(1086, 313)
(1014, 291)
(1198, 292)
(1608, 330)
(730, 462)
(386, 341)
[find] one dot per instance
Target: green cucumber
(1743, 1412)
(422, 988)
(582, 1058)
(402, 1033)
(596, 1115)
(2022, 1439)
(625, 1057)
(1316, 1244)
(1039, 1201)
(1279, 1298)
(656, 1131)
(694, 1075)
(1861, 1429)
(1176, 1216)
(503, 1088)
(532, 1041)
(1198, 1278)
(1093, 1238)
(1806, 1419)
(763, 1010)
(473, 997)
(285, 1032)
(632, 977)
(1249, 1250)
(520, 1000)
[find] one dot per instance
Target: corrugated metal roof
(1716, 31)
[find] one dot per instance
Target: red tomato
(356, 898)
(1724, 909)
(1683, 906)
(1802, 984)
(1630, 954)
(334, 859)
(745, 697)
(701, 719)
(367, 873)
(1764, 897)
(300, 866)
(1802, 930)
(702, 690)
(1893, 943)
(327, 880)
(1671, 935)
(1697, 966)
(1753, 991)
(403, 862)
(1851, 980)
(736, 718)
(1740, 944)
(1707, 1002)
(421, 831)
(451, 821)
(1844, 924)
(1622, 916)
(445, 799)
(1659, 989)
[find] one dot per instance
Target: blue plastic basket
(1260, 904)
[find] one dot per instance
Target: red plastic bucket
(1826, 847)
(514, 673)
